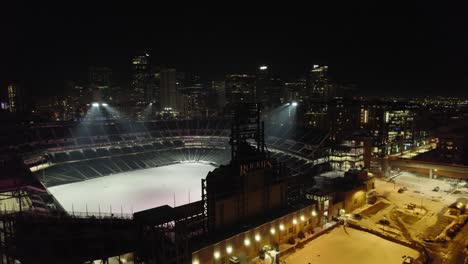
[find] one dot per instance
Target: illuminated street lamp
(272, 231)
(216, 254)
(281, 227)
(247, 242)
(314, 213)
(294, 221)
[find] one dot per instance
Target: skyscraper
(318, 83)
(220, 88)
(17, 98)
(168, 90)
(141, 78)
(262, 84)
(240, 88)
(12, 98)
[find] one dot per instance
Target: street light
(247, 242)
(216, 254)
(294, 104)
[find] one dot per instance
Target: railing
(80, 215)
(100, 215)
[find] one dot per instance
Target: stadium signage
(262, 164)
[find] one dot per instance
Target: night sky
(384, 50)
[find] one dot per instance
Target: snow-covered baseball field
(134, 191)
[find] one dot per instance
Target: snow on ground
(420, 223)
(350, 246)
(424, 186)
(134, 191)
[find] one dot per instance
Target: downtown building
(142, 89)
(240, 88)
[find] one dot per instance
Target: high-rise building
(13, 98)
(275, 92)
(240, 88)
(141, 78)
(168, 89)
(344, 118)
(220, 88)
(295, 91)
(17, 98)
(262, 84)
(318, 83)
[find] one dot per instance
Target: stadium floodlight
(294, 103)
(95, 104)
(104, 104)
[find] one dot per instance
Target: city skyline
(384, 51)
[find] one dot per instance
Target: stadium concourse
(72, 152)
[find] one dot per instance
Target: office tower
(295, 91)
(220, 88)
(240, 88)
(13, 97)
(168, 89)
(344, 118)
(141, 78)
(262, 84)
(275, 93)
(318, 83)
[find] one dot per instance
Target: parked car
(436, 189)
(384, 221)
(453, 230)
(408, 260)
